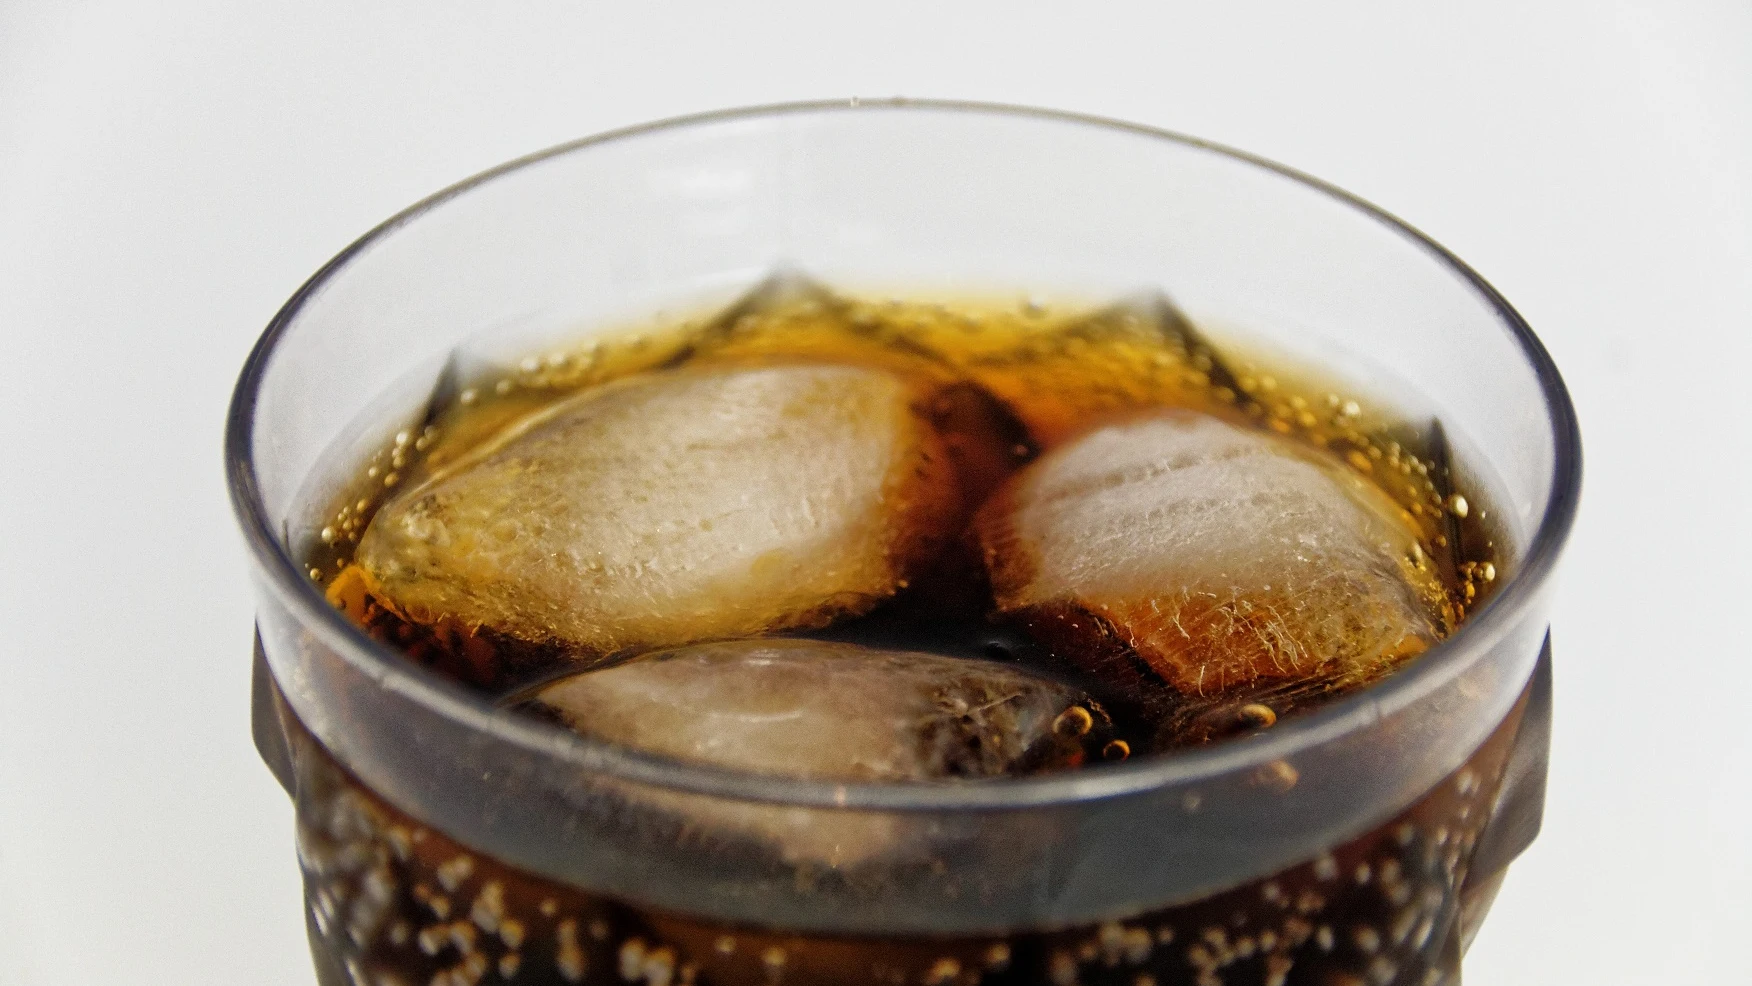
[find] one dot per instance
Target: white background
(170, 172)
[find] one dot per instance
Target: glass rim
(389, 670)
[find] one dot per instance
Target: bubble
(1074, 721)
(1257, 715)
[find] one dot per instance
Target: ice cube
(792, 315)
(827, 711)
(1154, 313)
(1214, 557)
(675, 507)
(1061, 377)
(819, 710)
(785, 293)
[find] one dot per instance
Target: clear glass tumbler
(445, 842)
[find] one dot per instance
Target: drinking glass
(443, 841)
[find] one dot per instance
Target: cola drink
(392, 900)
(861, 542)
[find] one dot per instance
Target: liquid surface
(1195, 547)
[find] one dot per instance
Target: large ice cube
(831, 711)
(675, 507)
(1213, 556)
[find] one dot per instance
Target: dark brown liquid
(395, 902)
(392, 901)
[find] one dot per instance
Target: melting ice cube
(675, 507)
(830, 711)
(1212, 557)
